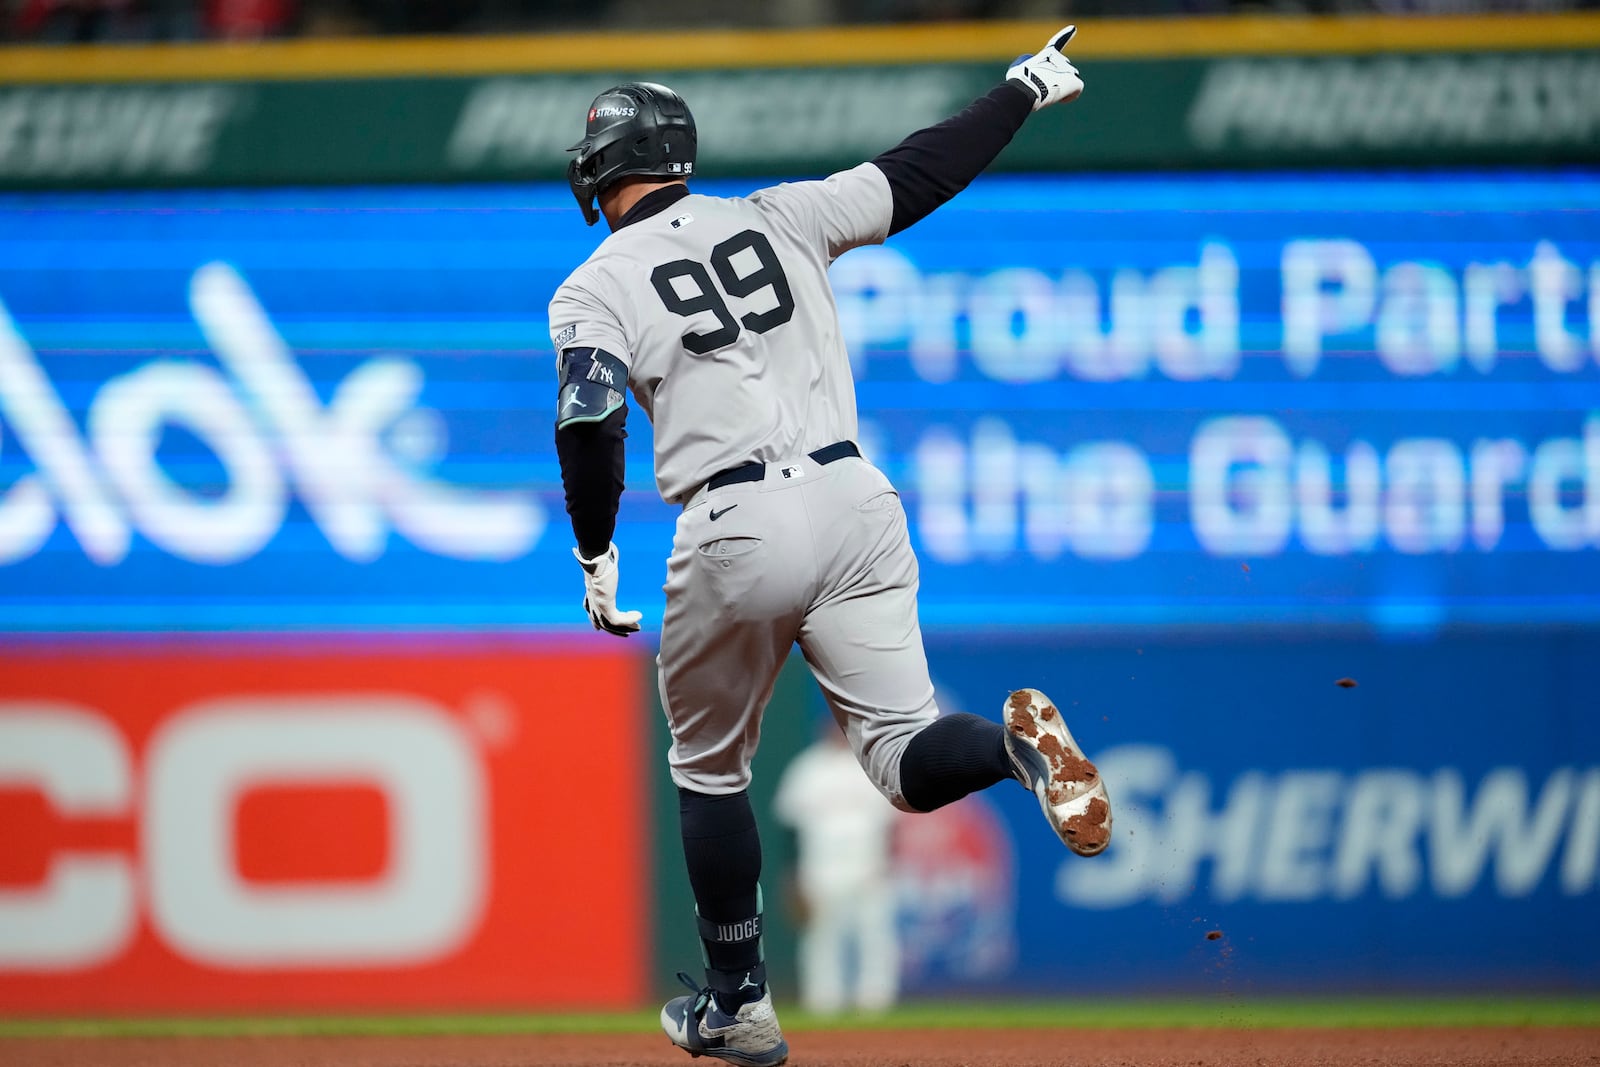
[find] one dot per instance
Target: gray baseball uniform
(721, 312)
(717, 313)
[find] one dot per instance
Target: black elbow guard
(592, 381)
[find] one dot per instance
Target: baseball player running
(715, 313)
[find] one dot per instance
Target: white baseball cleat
(750, 1037)
(1050, 763)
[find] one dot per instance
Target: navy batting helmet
(637, 128)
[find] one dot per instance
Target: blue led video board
(1174, 400)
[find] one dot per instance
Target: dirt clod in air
(1213, 935)
(1346, 683)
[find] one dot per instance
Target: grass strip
(1113, 1013)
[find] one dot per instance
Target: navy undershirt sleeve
(934, 164)
(592, 469)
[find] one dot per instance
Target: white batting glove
(1048, 75)
(600, 594)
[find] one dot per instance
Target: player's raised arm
(934, 164)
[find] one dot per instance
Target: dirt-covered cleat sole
(1050, 763)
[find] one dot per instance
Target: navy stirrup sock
(952, 756)
(722, 850)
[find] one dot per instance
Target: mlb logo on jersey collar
(682, 220)
(793, 472)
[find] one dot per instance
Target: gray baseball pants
(815, 554)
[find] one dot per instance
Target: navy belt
(755, 470)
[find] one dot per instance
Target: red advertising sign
(195, 824)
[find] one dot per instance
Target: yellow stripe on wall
(931, 43)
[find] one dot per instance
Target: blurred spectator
(248, 19)
(68, 21)
(849, 942)
(407, 16)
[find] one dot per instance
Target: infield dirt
(1476, 1047)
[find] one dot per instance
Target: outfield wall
(297, 707)
(299, 713)
(1436, 826)
(198, 825)
(1172, 93)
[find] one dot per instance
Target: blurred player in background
(717, 315)
(849, 941)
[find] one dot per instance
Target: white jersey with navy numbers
(720, 309)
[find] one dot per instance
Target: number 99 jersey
(721, 311)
